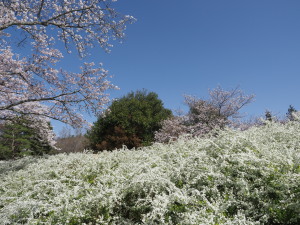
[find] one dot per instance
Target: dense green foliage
(18, 139)
(130, 120)
(239, 177)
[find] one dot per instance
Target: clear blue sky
(186, 47)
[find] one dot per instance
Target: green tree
(18, 139)
(131, 120)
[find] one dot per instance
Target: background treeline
(71, 140)
(135, 120)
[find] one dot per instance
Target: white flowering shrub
(239, 177)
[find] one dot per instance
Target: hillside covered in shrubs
(238, 177)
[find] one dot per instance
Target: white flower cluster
(239, 177)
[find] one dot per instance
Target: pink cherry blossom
(220, 110)
(31, 84)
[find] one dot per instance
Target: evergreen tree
(268, 116)
(131, 120)
(18, 139)
(290, 112)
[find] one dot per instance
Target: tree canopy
(31, 36)
(131, 120)
(218, 111)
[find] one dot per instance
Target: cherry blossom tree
(31, 36)
(172, 128)
(229, 102)
(220, 110)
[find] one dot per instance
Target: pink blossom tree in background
(31, 84)
(220, 110)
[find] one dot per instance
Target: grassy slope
(250, 177)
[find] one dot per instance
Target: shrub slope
(249, 177)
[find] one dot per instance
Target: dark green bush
(130, 120)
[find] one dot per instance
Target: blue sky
(186, 47)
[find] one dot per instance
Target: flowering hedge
(239, 177)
